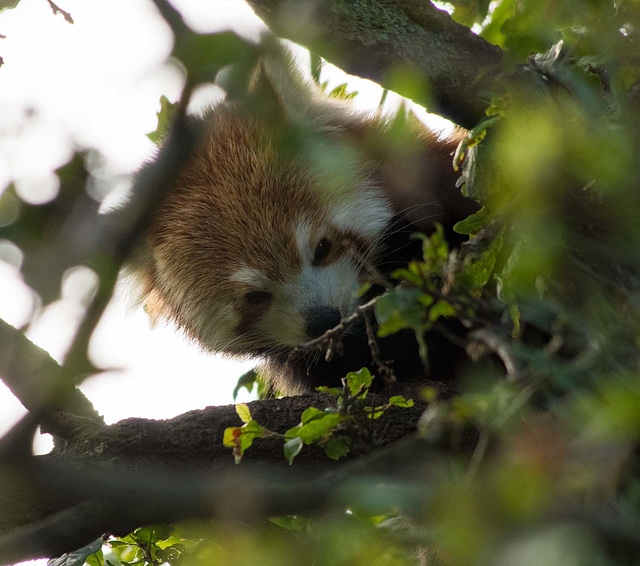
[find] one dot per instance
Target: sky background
(96, 85)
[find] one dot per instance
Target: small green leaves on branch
(336, 429)
(241, 438)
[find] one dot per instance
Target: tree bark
(454, 68)
(25, 369)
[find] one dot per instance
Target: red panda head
(252, 250)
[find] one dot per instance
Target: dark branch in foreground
(25, 368)
(109, 478)
(116, 499)
(113, 498)
(457, 69)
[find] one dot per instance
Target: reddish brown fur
(236, 203)
(248, 186)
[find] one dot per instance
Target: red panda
(251, 251)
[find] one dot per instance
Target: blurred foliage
(470, 12)
(53, 235)
(166, 114)
(8, 4)
(548, 287)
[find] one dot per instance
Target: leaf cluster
(152, 545)
(336, 429)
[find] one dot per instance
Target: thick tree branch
(116, 499)
(185, 442)
(378, 40)
(196, 436)
(25, 368)
(109, 478)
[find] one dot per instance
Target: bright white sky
(96, 84)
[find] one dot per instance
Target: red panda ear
(279, 87)
(276, 86)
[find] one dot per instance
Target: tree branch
(378, 40)
(109, 478)
(112, 498)
(25, 368)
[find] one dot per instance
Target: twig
(385, 370)
(57, 10)
(499, 346)
(172, 17)
(478, 454)
(337, 331)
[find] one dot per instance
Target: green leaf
(77, 557)
(481, 269)
(247, 381)
(337, 447)
(472, 224)
(411, 273)
(311, 414)
(118, 543)
(231, 436)
(292, 432)
(243, 412)
(253, 428)
(319, 428)
(291, 522)
(292, 448)
(241, 438)
(329, 390)
(154, 533)
(399, 308)
(205, 54)
(357, 379)
(8, 4)
(469, 13)
(96, 559)
(341, 92)
(374, 412)
(400, 401)
(441, 308)
(165, 118)
(434, 247)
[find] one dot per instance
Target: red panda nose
(321, 319)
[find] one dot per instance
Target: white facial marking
(250, 276)
(315, 286)
(303, 242)
(365, 212)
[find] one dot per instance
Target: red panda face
(252, 250)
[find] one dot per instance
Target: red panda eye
(257, 297)
(322, 251)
